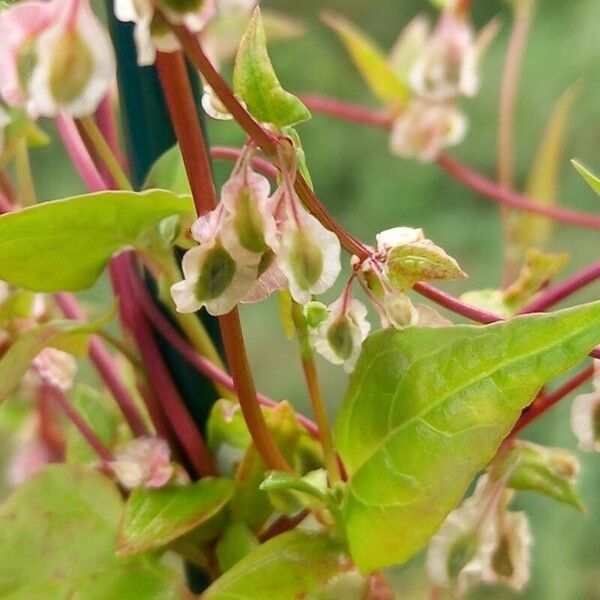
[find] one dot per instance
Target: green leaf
(370, 62)
(154, 518)
(68, 336)
(549, 471)
(65, 244)
(255, 81)
(168, 173)
(57, 541)
(544, 176)
(289, 566)
(427, 409)
(588, 176)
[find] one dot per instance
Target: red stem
(564, 289)
(233, 154)
(166, 392)
(205, 366)
(105, 366)
(537, 409)
(182, 110)
(506, 197)
(86, 431)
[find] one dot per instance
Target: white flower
(510, 561)
(213, 107)
(270, 279)
(424, 129)
(55, 368)
(212, 278)
(340, 336)
(144, 462)
(309, 256)
(75, 64)
(585, 416)
(448, 65)
(397, 236)
(460, 552)
(152, 32)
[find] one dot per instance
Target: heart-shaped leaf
(255, 81)
(58, 537)
(65, 244)
(154, 518)
(428, 408)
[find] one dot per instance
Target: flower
(585, 416)
(144, 462)
(424, 129)
(50, 66)
(212, 278)
(56, 368)
(510, 561)
(152, 32)
(447, 66)
(339, 337)
(460, 552)
(309, 255)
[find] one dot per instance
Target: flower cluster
(481, 541)
(585, 416)
(403, 257)
(252, 244)
(439, 66)
(48, 61)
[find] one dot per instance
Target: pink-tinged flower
(55, 368)
(29, 454)
(152, 32)
(397, 236)
(424, 129)
(447, 66)
(339, 337)
(61, 60)
(144, 462)
(270, 279)
(585, 416)
(309, 255)
(20, 26)
(249, 226)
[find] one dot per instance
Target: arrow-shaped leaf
(428, 408)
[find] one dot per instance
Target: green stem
(315, 394)
(27, 193)
(103, 150)
(121, 347)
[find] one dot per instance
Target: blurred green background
(369, 190)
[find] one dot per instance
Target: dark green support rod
(148, 133)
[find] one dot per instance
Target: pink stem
(5, 205)
(506, 197)
(105, 366)
(232, 154)
(564, 289)
(546, 403)
(198, 361)
(86, 431)
(166, 391)
(79, 154)
(346, 111)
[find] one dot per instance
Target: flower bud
(315, 313)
